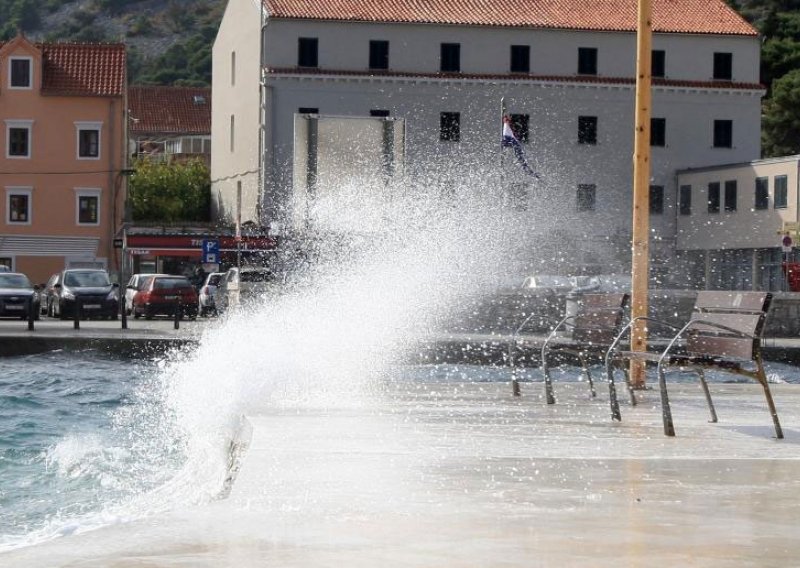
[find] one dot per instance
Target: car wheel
(114, 316)
(61, 314)
(136, 315)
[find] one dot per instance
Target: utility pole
(640, 249)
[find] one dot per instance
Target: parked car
(242, 285)
(554, 282)
(16, 291)
(160, 294)
(208, 291)
(134, 285)
(91, 287)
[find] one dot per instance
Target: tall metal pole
(640, 263)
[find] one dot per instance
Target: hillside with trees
(170, 44)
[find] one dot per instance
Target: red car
(160, 295)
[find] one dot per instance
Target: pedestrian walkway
(464, 475)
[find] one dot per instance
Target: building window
(88, 204)
(656, 199)
(658, 65)
(233, 132)
(723, 134)
(19, 73)
(18, 205)
(233, 68)
(587, 61)
(781, 199)
(730, 195)
(685, 200)
(587, 130)
(520, 123)
(379, 113)
(762, 193)
(658, 132)
(520, 59)
(723, 66)
(450, 58)
(449, 126)
(18, 138)
(586, 197)
(713, 197)
(8, 262)
(378, 54)
(307, 52)
(88, 139)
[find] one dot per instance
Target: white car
(208, 292)
(240, 286)
(133, 286)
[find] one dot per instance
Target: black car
(16, 291)
(90, 288)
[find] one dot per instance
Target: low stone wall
(504, 312)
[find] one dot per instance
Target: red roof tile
(83, 69)
(178, 110)
(657, 82)
(678, 16)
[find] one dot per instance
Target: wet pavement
(463, 474)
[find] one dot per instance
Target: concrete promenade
(464, 475)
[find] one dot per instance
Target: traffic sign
(786, 243)
(210, 251)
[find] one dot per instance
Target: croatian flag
(510, 141)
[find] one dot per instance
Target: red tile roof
(176, 110)
(524, 78)
(83, 69)
(676, 16)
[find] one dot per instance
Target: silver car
(242, 285)
(208, 292)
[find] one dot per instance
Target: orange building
(62, 154)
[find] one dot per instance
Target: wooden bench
(724, 333)
(594, 326)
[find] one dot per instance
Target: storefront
(183, 254)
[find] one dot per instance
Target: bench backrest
(599, 318)
(743, 311)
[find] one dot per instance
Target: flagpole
(640, 261)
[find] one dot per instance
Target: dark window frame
(658, 132)
(20, 68)
(780, 185)
(520, 59)
(731, 195)
(450, 57)
(587, 61)
(88, 146)
(656, 199)
(379, 54)
(714, 197)
(450, 127)
(723, 133)
(19, 146)
(586, 197)
(587, 130)
(15, 202)
(90, 213)
(308, 52)
(685, 199)
(723, 66)
(761, 189)
(658, 63)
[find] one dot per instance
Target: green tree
(781, 123)
(165, 192)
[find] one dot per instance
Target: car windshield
(86, 279)
(255, 276)
(14, 281)
(171, 283)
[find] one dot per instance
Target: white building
(565, 69)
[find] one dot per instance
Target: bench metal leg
(629, 384)
(762, 378)
(587, 375)
(548, 382)
(710, 403)
(612, 393)
(666, 412)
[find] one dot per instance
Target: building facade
(566, 74)
(62, 155)
(732, 220)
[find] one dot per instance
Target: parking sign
(210, 251)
